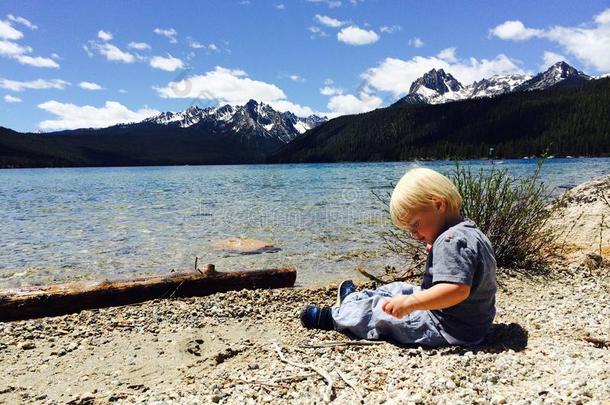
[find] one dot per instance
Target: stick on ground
(329, 388)
(351, 385)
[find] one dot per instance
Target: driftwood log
(60, 299)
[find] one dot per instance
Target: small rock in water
(244, 246)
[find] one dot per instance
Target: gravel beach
(220, 349)
(548, 345)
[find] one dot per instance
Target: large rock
(579, 219)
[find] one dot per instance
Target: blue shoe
(317, 318)
(345, 288)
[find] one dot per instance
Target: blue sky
(69, 64)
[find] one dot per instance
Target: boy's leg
(356, 312)
(418, 327)
(361, 314)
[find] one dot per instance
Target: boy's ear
(439, 203)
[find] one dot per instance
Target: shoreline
(531, 158)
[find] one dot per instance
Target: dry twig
(351, 384)
(335, 343)
(329, 389)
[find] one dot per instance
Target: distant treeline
(566, 120)
(130, 145)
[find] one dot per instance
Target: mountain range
(438, 86)
(253, 119)
(522, 108)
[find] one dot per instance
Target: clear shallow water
(94, 223)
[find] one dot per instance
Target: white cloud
(396, 75)
(38, 84)
(349, 104)
(71, 116)
(416, 42)
(550, 58)
(353, 35)
(280, 6)
(11, 99)
(169, 63)
(18, 52)
(113, 53)
(341, 104)
(104, 35)
(88, 51)
(89, 86)
(296, 78)
(11, 49)
(448, 54)
(316, 32)
(297, 109)
(224, 85)
(122, 91)
(22, 21)
(515, 31)
(198, 45)
(37, 61)
(231, 86)
(8, 32)
(140, 46)
(331, 91)
(390, 29)
(603, 18)
(328, 21)
(589, 43)
(329, 3)
(169, 33)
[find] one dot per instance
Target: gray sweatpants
(361, 314)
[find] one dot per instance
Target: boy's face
(425, 224)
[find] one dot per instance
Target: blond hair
(416, 189)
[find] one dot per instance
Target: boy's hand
(399, 305)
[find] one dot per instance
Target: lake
(69, 224)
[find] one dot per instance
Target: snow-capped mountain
(434, 87)
(253, 119)
(438, 86)
(559, 72)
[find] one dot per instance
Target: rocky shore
(549, 345)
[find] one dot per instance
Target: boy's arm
(439, 296)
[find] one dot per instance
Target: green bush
(513, 212)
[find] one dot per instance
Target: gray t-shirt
(463, 254)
